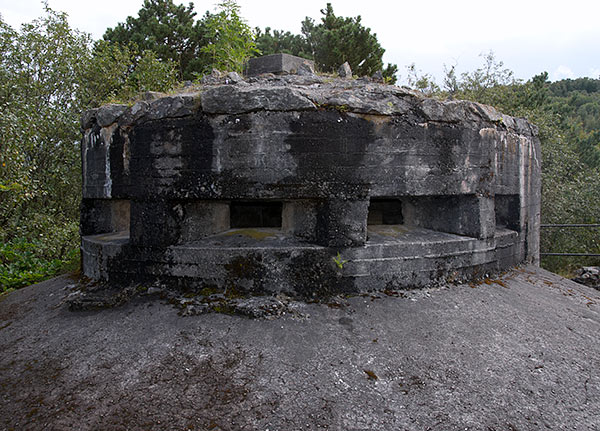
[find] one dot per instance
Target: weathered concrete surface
(523, 356)
(278, 63)
(160, 179)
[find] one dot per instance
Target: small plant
(339, 261)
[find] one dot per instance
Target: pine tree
(169, 30)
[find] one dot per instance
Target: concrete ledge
(268, 260)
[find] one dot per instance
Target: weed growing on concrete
(339, 261)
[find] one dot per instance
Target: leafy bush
(49, 74)
(23, 262)
(230, 39)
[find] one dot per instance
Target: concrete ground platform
(516, 353)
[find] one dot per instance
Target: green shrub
(23, 262)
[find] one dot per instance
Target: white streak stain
(106, 133)
(87, 142)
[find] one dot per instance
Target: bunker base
(267, 261)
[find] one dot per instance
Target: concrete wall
(185, 166)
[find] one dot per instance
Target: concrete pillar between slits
(156, 223)
(342, 223)
(299, 219)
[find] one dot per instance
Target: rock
(362, 101)
(153, 290)
(134, 113)
(378, 77)
(213, 78)
(303, 80)
(172, 106)
(456, 111)
(344, 71)
(276, 63)
(233, 78)
(232, 100)
(194, 309)
(87, 118)
(306, 69)
(487, 112)
(434, 358)
(588, 276)
(163, 107)
(108, 114)
(149, 96)
(317, 150)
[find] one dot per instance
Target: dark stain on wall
(174, 147)
(329, 144)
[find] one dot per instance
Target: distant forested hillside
(576, 102)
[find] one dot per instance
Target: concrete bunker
(259, 183)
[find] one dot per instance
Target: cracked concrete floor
(518, 354)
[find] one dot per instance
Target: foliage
(42, 68)
(167, 29)
(49, 75)
(230, 41)
(149, 74)
(577, 106)
(118, 73)
(330, 43)
(221, 40)
(337, 40)
(21, 263)
(281, 42)
(422, 82)
(481, 82)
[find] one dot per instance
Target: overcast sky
(528, 36)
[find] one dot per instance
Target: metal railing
(575, 225)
